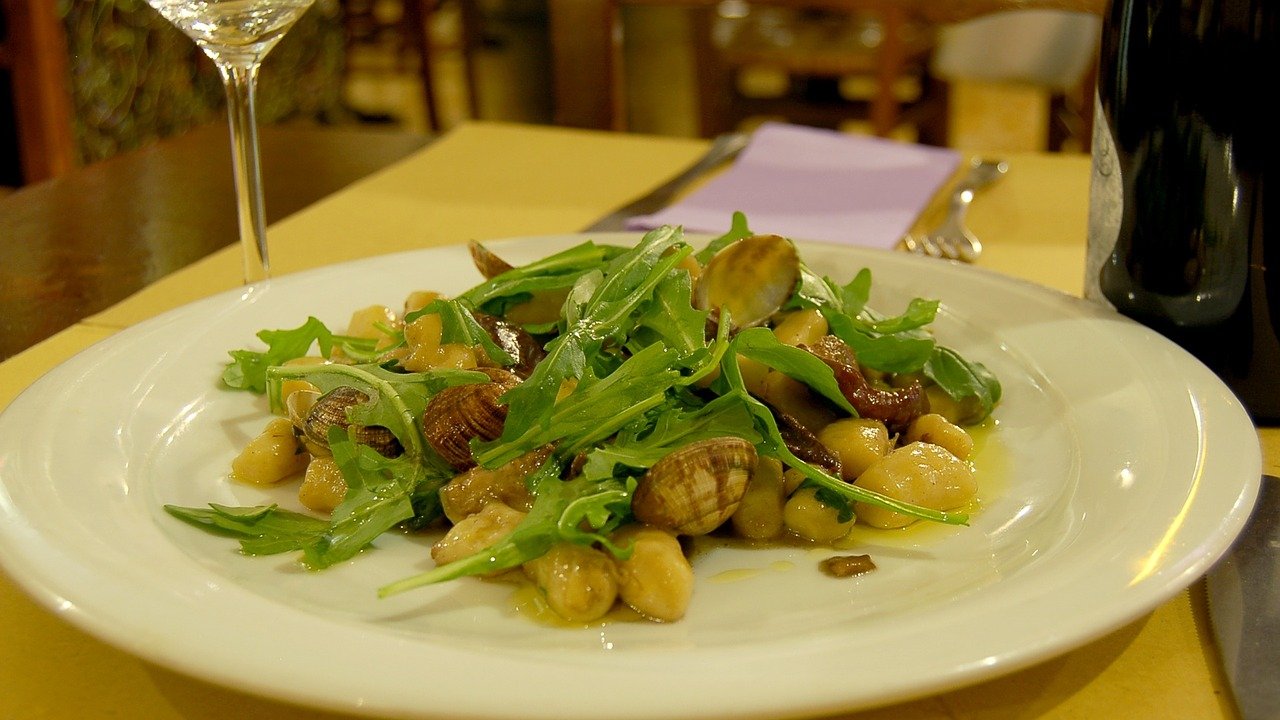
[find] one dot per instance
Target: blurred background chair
(857, 62)
(409, 33)
(887, 65)
(819, 62)
(1055, 51)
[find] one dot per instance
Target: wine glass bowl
(237, 35)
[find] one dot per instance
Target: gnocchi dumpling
(274, 455)
(920, 473)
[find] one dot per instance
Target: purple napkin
(813, 184)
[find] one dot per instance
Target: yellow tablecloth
(487, 181)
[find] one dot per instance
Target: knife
(725, 148)
(1244, 608)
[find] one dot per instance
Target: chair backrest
(1053, 49)
(873, 42)
(34, 52)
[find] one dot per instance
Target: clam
(298, 404)
(456, 415)
(489, 264)
(751, 279)
(515, 340)
(693, 490)
(330, 410)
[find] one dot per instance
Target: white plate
(1120, 470)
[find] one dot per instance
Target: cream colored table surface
(486, 181)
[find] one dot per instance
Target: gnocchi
(920, 473)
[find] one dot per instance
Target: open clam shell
(695, 489)
(750, 279)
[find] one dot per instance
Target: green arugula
(962, 379)
(762, 346)
(773, 445)
(379, 496)
(459, 326)
(737, 231)
(579, 510)
(262, 529)
(646, 441)
(598, 316)
(248, 368)
(896, 344)
(596, 409)
(670, 318)
(396, 400)
(554, 272)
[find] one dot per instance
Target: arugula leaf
(560, 510)
(761, 345)
(895, 353)
(627, 281)
(458, 325)
(816, 291)
(962, 379)
(262, 529)
(596, 409)
(554, 272)
(670, 317)
(396, 400)
(895, 344)
(645, 442)
(774, 446)
(379, 497)
(737, 230)
(248, 368)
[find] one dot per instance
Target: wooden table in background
(77, 244)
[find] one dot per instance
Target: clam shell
(751, 279)
(695, 489)
(330, 410)
(456, 415)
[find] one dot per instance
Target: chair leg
(586, 64)
(417, 16)
(715, 82)
(472, 33)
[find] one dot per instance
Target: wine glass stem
(241, 81)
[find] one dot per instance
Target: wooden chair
(589, 76)
(417, 19)
(412, 32)
(34, 53)
(874, 43)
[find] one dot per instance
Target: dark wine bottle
(1182, 143)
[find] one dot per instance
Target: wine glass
(237, 35)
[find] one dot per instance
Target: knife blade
(725, 148)
(1244, 608)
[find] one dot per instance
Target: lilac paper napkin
(814, 184)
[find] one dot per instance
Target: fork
(951, 239)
